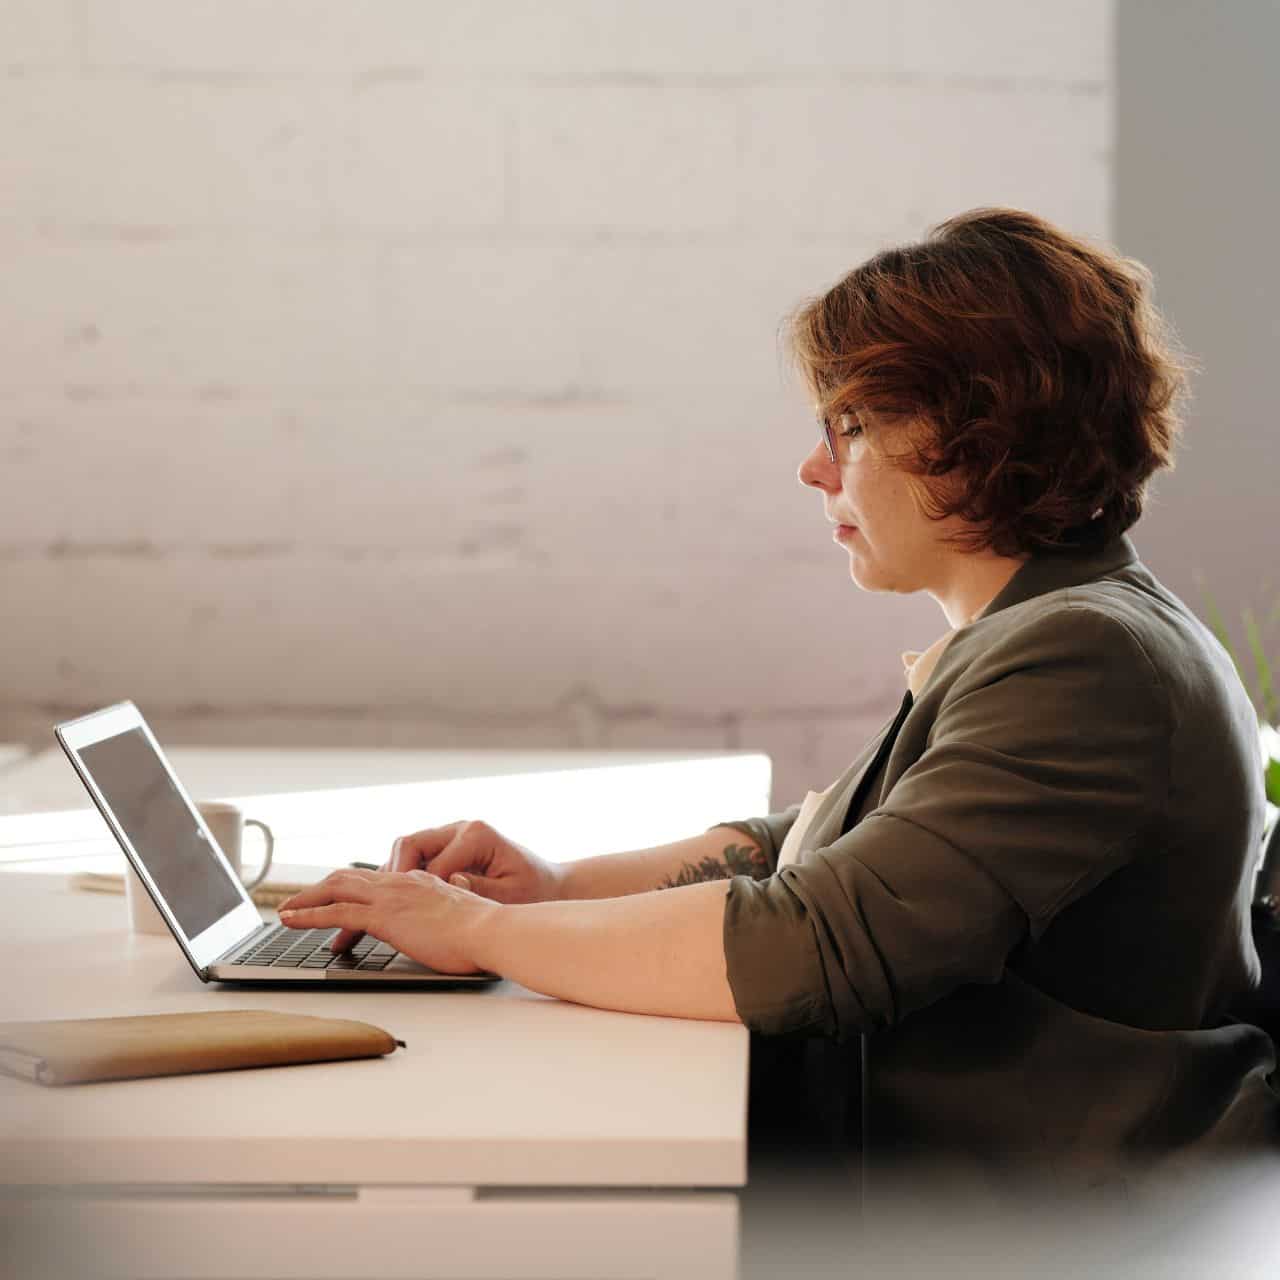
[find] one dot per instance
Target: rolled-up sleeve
(768, 832)
(1048, 757)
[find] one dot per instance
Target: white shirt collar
(918, 666)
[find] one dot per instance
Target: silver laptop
(201, 899)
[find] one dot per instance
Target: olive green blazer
(1039, 916)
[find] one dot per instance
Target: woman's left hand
(416, 912)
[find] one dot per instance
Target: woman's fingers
(399, 850)
(347, 885)
(341, 898)
(345, 939)
(470, 850)
(410, 853)
(346, 915)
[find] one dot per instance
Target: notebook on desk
(202, 900)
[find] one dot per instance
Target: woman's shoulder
(1126, 621)
(1108, 613)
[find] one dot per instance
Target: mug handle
(266, 861)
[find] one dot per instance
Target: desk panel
(499, 1086)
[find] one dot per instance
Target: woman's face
(893, 546)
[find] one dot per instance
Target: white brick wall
(406, 372)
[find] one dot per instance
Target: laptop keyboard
(284, 948)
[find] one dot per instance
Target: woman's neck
(975, 581)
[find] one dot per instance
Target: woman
(1026, 900)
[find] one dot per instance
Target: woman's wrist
(485, 930)
(569, 881)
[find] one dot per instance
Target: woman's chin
(861, 578)
(865, 576)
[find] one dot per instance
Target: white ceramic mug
(226, 823)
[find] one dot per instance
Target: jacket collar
(1044, 571)
(1053, 570)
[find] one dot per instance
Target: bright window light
(561, 814)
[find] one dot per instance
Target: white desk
(517, 1135)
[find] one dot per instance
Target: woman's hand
(496, 868)
(474, 856)
(417, 913)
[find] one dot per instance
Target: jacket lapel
(828, 817)
(1044, 571)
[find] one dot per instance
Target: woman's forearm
(715, 855)
(656, 952)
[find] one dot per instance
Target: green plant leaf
(1273, 781)
(1265, 685)
(1216, 623)
(1219, 628)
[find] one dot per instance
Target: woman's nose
(818, 470)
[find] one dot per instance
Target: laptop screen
(162, 829)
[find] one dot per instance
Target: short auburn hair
(1052, 386)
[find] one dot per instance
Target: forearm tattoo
(738, 860)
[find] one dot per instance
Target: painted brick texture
(408, 372)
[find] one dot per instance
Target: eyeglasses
(829, 435)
